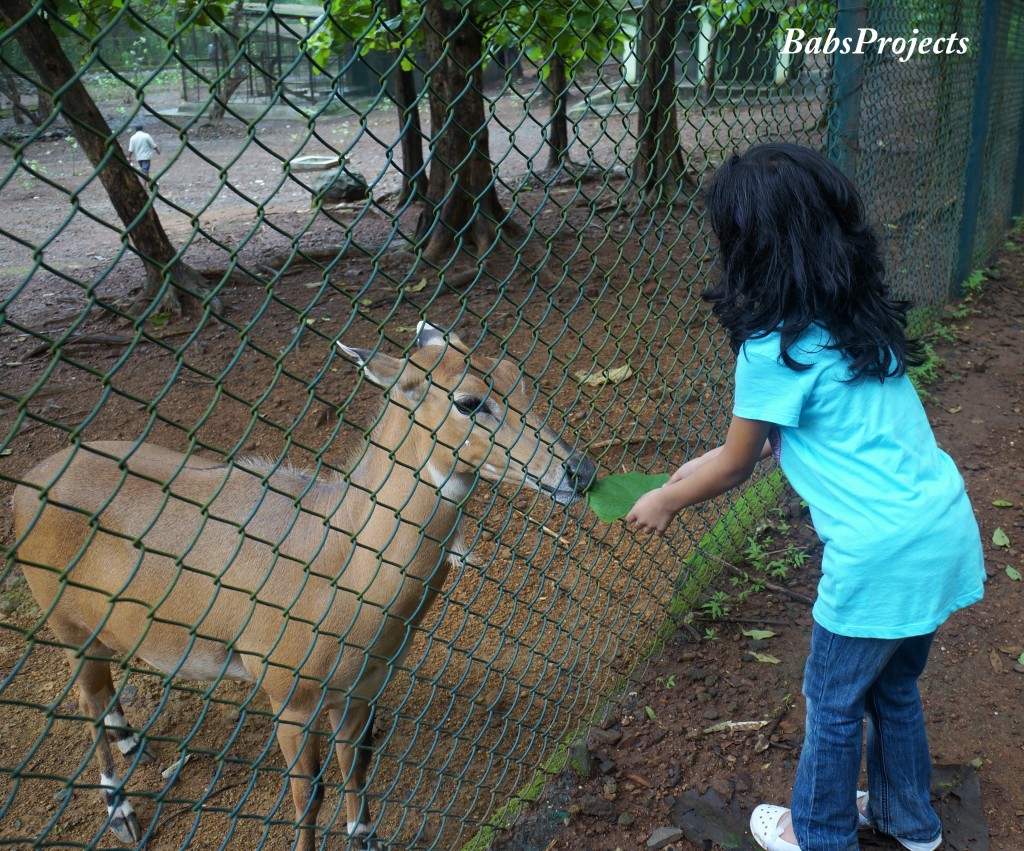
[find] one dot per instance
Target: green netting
(526, 178)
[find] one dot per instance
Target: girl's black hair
(796, 249)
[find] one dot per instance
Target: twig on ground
(774, 622)
(696, 636)
(614, 441)
(734, 727)
(549, 532)
(764, 740)
(191, 808)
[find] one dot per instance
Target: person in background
(141, 147)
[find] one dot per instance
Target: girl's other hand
(653, 512)
(694, 464)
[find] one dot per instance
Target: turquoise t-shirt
(902, 547)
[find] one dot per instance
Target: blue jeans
(845, 680)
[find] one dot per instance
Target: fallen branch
(743, 620)
(98, 338)
(764, 740)
(326, 254)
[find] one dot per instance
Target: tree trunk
(410, 130)
(130, 198)
(462, 208)
(9, 87)
(658, 168)
(558, 126)
(228, 46)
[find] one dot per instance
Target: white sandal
(863, 820)
(767, 828)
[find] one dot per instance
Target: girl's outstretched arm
(695, 463)
(708, 476)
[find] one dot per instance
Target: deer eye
(469, 405)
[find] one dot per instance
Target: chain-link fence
(496, 210)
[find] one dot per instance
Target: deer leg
(353, 744)
(128, 742)
(301, 748)
(95, 696)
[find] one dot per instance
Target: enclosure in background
(555, 222)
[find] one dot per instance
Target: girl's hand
(710, 475)
(653, 512)
(693, 465)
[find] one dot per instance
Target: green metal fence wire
(524, 179)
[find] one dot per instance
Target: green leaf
(1002, 503)
(758, 634)
(612, 497)
(767, 658)
(1013, 573)
(999, 538)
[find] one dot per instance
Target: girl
(821, 383)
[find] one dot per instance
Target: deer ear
(431, 335)
(380, 369)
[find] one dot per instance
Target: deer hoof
(364, 839)
(124, 824)
(147, 756)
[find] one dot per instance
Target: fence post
(848, 77)
(1017, 199)
(979, 136)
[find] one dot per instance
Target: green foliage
(813, 17)
(774, 562)
(763, 557)
(727, 16)
(717, 606)
(925, 374)
(89, 17)
(946, 332)
(363, 24)
(577, 31)
(974, 284)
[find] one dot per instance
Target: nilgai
(309, 584)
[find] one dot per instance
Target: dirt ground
(664, 775)
(526, 640)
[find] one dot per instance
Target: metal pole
(1017, 202)
(1017, 199)
(979, 136)
(847, 79)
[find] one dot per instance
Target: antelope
(309, 585)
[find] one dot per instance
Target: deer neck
(416, 477)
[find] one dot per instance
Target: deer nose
(581, 471)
